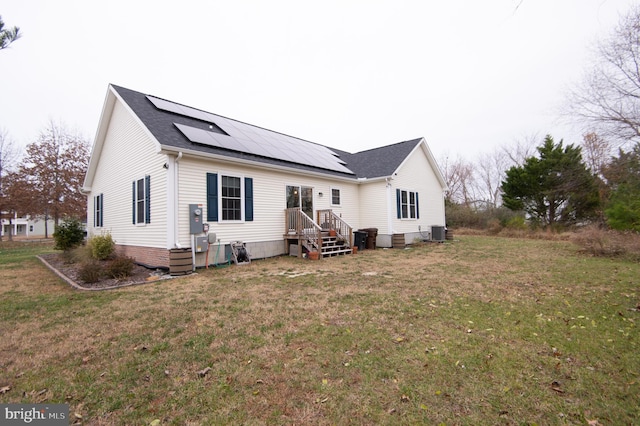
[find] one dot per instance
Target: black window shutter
(101, 200)
(417, 208)
(133, 201)
(212, 197)
(248, 199)
(147, 199)
(399, 209)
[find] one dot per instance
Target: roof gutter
(167, 150)
(375, 179)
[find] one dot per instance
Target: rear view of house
(161, 173)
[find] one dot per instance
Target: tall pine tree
(555, 188)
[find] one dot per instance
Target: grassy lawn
(479, 331)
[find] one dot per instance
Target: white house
(160, 170)
(24, 227)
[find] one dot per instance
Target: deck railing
(299, 224)
(328, 221)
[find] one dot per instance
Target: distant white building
(24, 227)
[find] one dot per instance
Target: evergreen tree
(623, 178)
(555, 188)
(8, 35)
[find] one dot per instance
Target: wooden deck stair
(331, 239)
(332, 247)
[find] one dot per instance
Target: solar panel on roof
(198, 135)
(166, 105)
(253, 140)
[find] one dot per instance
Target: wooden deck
(332, 238)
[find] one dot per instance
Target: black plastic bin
(372, 234)
(359, 239)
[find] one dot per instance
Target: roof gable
(379, 162)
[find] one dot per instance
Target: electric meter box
(202, 244)
(195, 218)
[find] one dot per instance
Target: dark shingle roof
(372, 163)
(378, 162)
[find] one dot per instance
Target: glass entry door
(300, 196)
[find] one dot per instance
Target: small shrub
(102, 246)
(69, 234)
(494, 226)
(69, 257)
(516, 222)
(78, 254)
(120, 267)
(91, 271)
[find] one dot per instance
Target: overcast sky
(466, 75)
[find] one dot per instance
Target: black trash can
(372, 233)
(359, 239)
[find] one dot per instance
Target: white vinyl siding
(127, 155)
(269, 199)
(430, 206)
(374, 206)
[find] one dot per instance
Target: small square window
(335, 196)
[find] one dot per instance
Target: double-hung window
(229, 198)
(141, 201)
(407, 204)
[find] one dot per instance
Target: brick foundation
(150, 256)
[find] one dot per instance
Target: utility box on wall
(202, 244)
(195, 218)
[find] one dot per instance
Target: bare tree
(596, 152)
(8, 35)
(8, 154)
(520, 149)
(490, 171)
(51, 174)
(459, 177)
(608, 98)
(8, 158)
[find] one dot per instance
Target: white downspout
(172, 200)
(390, 205)
(176, 203)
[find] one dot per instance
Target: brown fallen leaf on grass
(555, 386)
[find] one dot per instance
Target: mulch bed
(139, 275)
